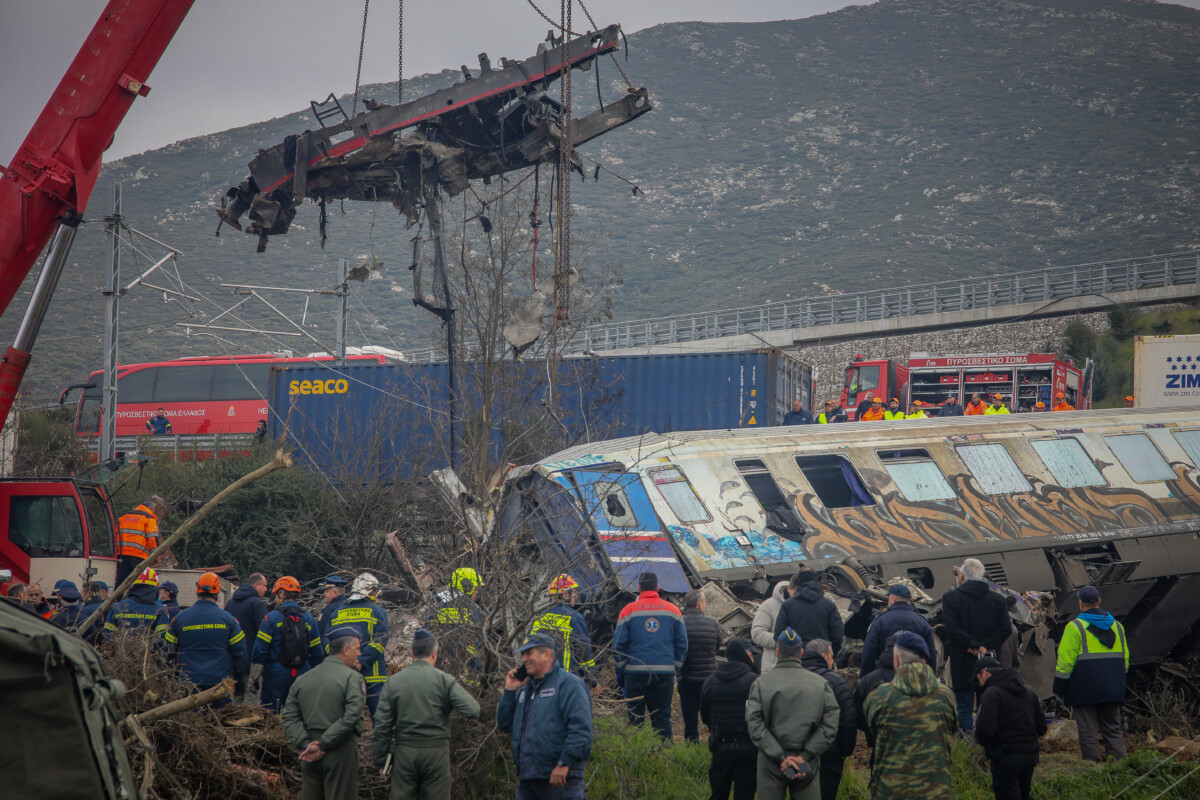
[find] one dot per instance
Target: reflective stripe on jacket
(993, 410)
(650, 637)
(1089, 672)
(371, 624)
(138, 534)
(568, 626)
(267, 645)
(207, 642)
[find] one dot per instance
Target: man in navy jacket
(549, 715)
(649, 647)
(899, 617)
(205, 640)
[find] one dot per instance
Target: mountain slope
(886, 144)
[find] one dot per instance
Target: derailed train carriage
(1048, 502)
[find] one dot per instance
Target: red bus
(201, 396)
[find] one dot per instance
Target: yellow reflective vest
(1089, 671)
(893, 415)
(994, 410)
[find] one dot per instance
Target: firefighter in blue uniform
(288, 644)
(168, 593)
(568, 627)
(370, 623)
(138, 609)
(205, 640)
(334, 589)
(456, 613)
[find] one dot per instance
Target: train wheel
(842, 579)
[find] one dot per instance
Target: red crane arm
(53, 172)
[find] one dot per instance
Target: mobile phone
(522, 673)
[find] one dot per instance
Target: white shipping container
(1166, 371)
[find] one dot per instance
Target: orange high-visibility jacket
(138, 534)
(1063, 406)
(971, 409)
(872, 414)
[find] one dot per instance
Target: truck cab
(881, 377)
(52, 528)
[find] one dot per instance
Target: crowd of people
(872, 408)
(781, 720)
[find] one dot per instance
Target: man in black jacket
(809, 612)
(977, 622)
(704, 640)
(951, 408)
(818, 658)
(723, 709)
(868, 682)
(249, 609)
(1008, 728)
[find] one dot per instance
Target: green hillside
(886, 144)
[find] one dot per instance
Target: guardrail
(966, 294)
(173, 445)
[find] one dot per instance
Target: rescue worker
(158, 425)
(549, 715)
(799, 415)
(205, 640)
(139, 608)
(1129, 401)
(413, 724)
(333, 588)
(997, 406)
(1093, 658)
(832, 413)
(288, 644)
(893, 410)
(951, 408)
(93, 599)
(874, 413)
(68, 614)
(899, 617)
(723, 709)
(168, 592)
(323, 717)
(917, 411)
(975, 406)
(138, 535)
(370, 624)
(912, 718)
(649, 647)
(1039, 407)
(457, 614)
(1062, 404)
(568, 628)
(1010, 723)
(792, 716)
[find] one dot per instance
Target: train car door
(629, 530)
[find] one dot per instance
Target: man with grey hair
(913, 720)
(412, 724)
(818, 659)
(976, 621)
(792, 716)
(324, 718)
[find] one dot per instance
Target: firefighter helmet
(562, 584)
(208, 583)
(288, 584)
(365, 585)
(149, 577)
(465, 580)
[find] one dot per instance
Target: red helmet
(149, 577)
(562, 584)
(208, 583)
(288, 584)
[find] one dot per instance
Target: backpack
(293, 639)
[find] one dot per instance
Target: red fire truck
(1022, 380)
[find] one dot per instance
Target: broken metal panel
(1156, 633)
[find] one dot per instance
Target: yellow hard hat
(465, 580)
(149, 577)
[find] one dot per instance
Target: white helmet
(365, 585)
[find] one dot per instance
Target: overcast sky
(235, 62)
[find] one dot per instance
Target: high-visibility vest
(872, 414)
(889, 414)
(1063, 406)
(971, 409)
(994, 410)
(917, 415)
(138, 534)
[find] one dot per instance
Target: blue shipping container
(360, 423)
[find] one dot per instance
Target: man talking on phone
(548, 711)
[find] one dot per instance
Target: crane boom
(52, 175)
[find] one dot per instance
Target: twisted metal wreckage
(491, 123)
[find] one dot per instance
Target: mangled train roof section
(493, 122)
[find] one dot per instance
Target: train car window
(834, 480)
(674, 487)
(993, 468)
(192, 384)
(615, 504)
(780, 516)
(45, 527)
(134, 387)
(916, 475)
(1190, 442)
(1140, 457)
(240, 381)
(1069, 463)
(100, 535)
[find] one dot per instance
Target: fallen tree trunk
(221, 691)
(281, 461)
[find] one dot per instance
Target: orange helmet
(1059, 396)
(288, 584)
(1039, 404)
(149, 577)
(208, 583)
(562, 584)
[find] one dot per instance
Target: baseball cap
(877, 400)
(913, 643)
(100, 585)
(1059, 395)
(917, 403)
(900, 590)
(789, 637)
(1039, 404)
(1089, 594)
(988, 663)
(170, 586)
(535, 640)
(1130, 398)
